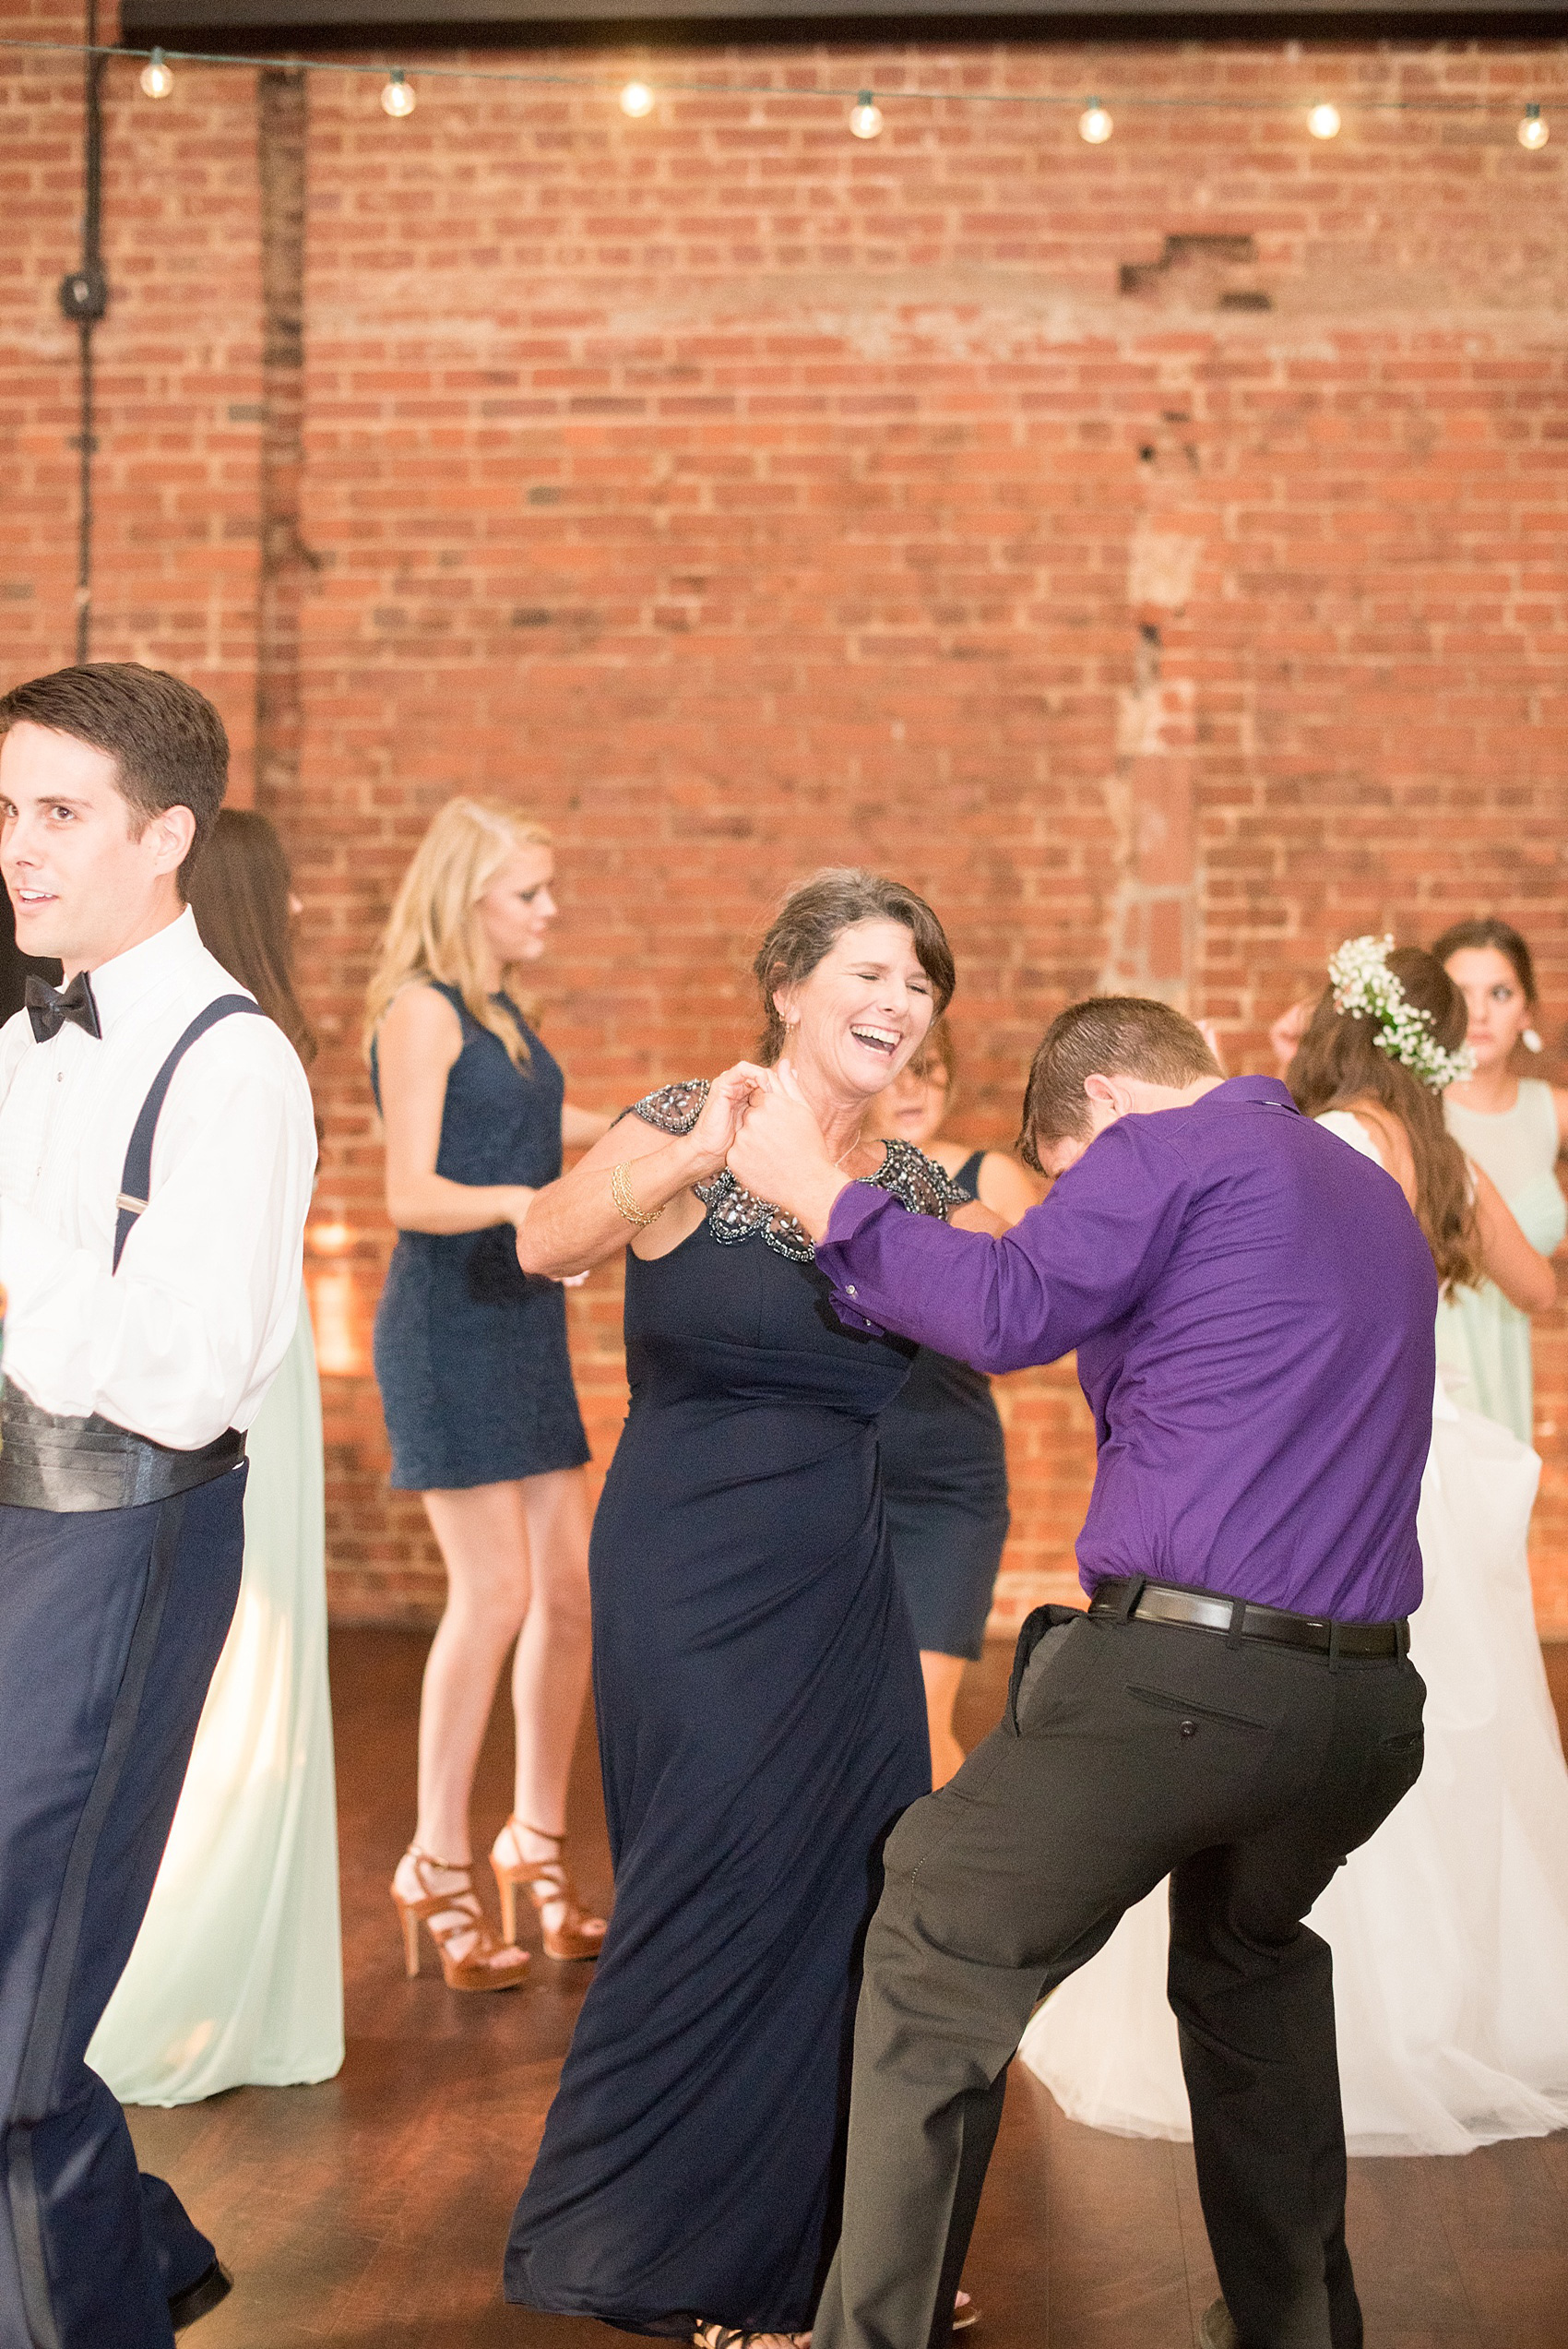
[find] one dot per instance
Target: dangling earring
(1531, 1041)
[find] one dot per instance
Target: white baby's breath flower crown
(1366, 988)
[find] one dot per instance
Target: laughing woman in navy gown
(759, 1700)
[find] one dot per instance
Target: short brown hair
(166, 739)
(1107, 1036)
(816, 913)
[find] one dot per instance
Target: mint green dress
(237, 1972)
(1483, 1342)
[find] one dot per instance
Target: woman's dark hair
(938, 1051)
(816, 913)
(166, 739)
(1338, 1062)
(240, 897)
(1104, 1036)
(1502, 937)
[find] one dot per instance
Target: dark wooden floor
(372, 2210)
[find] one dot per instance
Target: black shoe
(200, 2298)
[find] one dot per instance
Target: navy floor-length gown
(762, 1724)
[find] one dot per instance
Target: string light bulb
(398, 96)
(637, 99)
(1324, 121)
(1095, 125)
(156, 81)
(1533, 131)
(865, 116)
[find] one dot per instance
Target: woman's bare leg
(483, 1534)
(484, 1544)
(550, 1671)
(550, 1677)
(941, 1675)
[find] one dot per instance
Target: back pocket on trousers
(1162, 1699)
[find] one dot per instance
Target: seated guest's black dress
(471, 1351)
(761, 1725)
(945, 1478)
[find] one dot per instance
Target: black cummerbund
(51, 1461)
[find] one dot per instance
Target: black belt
(1209, 1611)
(51, 1461)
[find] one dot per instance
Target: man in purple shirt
(1253, 1308)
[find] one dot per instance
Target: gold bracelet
(621, 1193)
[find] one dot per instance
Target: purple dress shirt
(1253, 1305)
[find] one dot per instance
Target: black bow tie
(50, 1008)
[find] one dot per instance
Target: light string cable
(639, 98)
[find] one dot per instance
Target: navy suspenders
(64, 1464)
(136, 1181)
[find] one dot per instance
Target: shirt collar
(1269, 1090)
(118, 985)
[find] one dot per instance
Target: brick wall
(1156, 553)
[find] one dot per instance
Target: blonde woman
(476, 1383)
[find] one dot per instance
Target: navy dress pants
(111, 1626)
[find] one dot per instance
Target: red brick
(824, 463)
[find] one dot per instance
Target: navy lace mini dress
(471, 1351)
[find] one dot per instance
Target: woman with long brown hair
(1346, 1065)
(237, 1972)
(1450, 1927)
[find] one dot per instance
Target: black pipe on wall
(84, 298)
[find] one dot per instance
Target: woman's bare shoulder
(1006, 1189)
(420, 1020)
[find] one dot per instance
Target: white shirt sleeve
(183, 1339)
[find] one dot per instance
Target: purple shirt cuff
(857, 1205)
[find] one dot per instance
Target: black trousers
(1128, 1751)
(110, 1624)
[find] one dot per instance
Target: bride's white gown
(1450, 1927)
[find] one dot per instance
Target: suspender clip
(137, 1169)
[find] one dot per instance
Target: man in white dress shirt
(156, 1155)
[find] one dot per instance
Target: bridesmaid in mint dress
(237, 1974)
(1514, 1128)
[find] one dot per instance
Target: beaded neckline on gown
(733, 1214)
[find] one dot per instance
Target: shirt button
(852, 1290)
(1189, 1729)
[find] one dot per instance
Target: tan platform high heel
(447, 1916)
(549, 1885)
